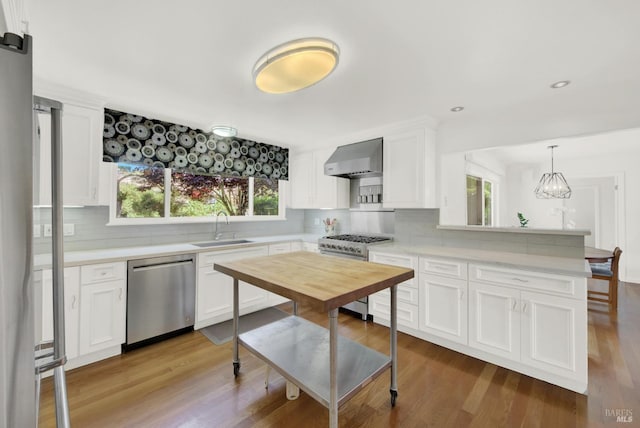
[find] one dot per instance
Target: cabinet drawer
(208, 259)
(92, 274)
(396, 260)
(283, 247)
(557, 284)
(407, 314)
(442, 267)
(404, 294)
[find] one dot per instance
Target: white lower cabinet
(310, 246)
(541, 330)
(554, 333)
(214, 290)
(529, 321)
(103, 306)
(406, 294)
(443, 307)
(494, 320)
(71, 308)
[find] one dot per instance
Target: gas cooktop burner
(358, 238)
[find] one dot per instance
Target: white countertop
(568, 232)
(549, 264)
(75, 258)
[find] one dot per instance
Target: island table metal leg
(236, 310)
(333, 368)
(393, 337)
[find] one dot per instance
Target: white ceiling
(191, 60)
(620, 143)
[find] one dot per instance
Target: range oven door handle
(342, 255)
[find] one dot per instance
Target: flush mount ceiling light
(224, 131)
(560, 84)
(552, 184)
(457, 109)
(295, 65)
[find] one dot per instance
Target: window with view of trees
(479, 201)
(146, 192)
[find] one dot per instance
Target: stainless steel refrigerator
(21, 358)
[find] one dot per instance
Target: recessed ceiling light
(560, 84)
(457, 109)
(295, 65)
(224, 131)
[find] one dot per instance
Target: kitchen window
(480, 201)
(147, 195)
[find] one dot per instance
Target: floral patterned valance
(130, 138)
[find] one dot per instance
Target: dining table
(597, 255)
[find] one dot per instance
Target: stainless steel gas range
(353, 247)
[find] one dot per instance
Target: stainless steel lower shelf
(299, 351)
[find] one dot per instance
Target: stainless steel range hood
(356, 160)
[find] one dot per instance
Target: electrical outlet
(36, 230)
(316, 221)
(47, 230)
(69, 229)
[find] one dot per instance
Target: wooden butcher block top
(324, 282)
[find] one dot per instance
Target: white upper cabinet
(409, 169)
(310, 188)
(81, 155)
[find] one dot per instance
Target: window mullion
(251, 187)
(167, 192)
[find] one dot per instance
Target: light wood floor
(188, 382)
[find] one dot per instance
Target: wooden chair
(607, 272)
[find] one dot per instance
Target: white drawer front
(557, 284)
(396, 260)
(280, 248)
(208, 259)
(404, 294)
(442, 267)
(407, 314)
(92, 274)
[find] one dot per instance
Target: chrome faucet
(217, 235)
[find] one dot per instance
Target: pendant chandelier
(552, 184)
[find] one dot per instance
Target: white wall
(13, 16)
(522, 179)
(3, 22)
(453, 194)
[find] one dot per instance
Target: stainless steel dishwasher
(160, 298)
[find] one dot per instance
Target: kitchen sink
(221, 243)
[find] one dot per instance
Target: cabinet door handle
(515, 278)
(514, 304)
(73, 302)
(120, 295)
(461, 294)
(524, 307)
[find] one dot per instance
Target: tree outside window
(145, 192)
(479, 201)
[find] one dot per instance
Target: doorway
(593, 206)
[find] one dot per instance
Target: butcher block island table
(329, 368)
